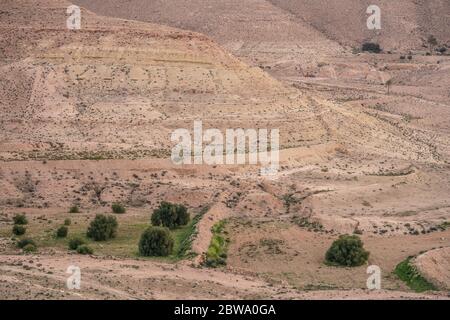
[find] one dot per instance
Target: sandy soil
(285, 253)
(86, 118)
(44, 277)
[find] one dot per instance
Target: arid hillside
(114, 84)
(86, 118)
(288, 37)
(405, 24)
(256, 31)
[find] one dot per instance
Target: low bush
(118, 208)
(84, 249)
(20, 219)
(102, 228)
(67, 222)
(29, 248)
(347, 251)
(74, 243)
(170, 215)
(74, 209)
(19, 230)
(216, 254)
(24, 242)
(61, 232)
(156, 241)
(371, 47)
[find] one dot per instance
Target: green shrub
(371, 47)
(407, 272)
(20, 219)
(74, 243)
(61, 232)
(74, 209)
(156, 241)
(102, 228)
(170, 215)
(184, 249)
(216, 254)
(67, 222)
(347, 251)
(19, 230)
(84, 249)
(24, 242)
(118, 208)
(29, 248)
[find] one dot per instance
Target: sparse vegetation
(217, 250)
(371, 47)
(84, 249)
(366, 203)
(432, 42)
(388, 84)
(444, 225)
(271, 246)
(305, 222)
(156, 241)
(289, 199)
(29, 248)
(19, 230)
(170, 215)
(61, 232)
(74, 209)
(406, 271)
(20, 219)
(118, 208)
(124, 245)
(67, 222)
(102, 228)
(74, 243)
(24, 242)
(347, 251)
(356, 50)
(186, 237)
